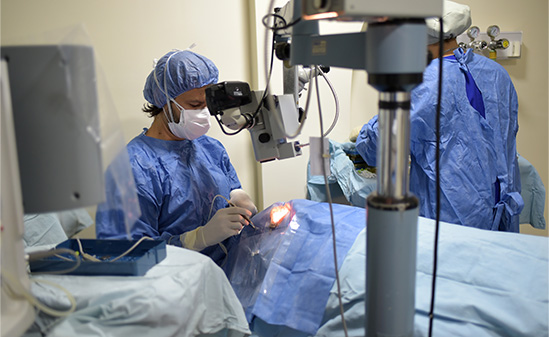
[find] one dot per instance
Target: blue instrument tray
(136, 263)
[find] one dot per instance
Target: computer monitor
(50, 152)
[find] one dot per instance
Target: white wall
(128, 34)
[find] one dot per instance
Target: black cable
(250, 119)
(437, 177)
(276, 16)
(268, 80)
(266, 91)
(274, 28)
(231, 133)
(267, 99)
(288, 25)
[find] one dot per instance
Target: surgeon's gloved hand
(240, 198)
(225, 223)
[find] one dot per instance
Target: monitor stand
(16, 312)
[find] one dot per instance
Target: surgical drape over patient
(282, 272)
(178, 71)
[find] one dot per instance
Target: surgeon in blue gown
(183, 177)
(480, 180)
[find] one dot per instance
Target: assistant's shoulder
(427, 90)
(488, 66)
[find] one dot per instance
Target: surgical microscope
(393, 51)
(237, 107)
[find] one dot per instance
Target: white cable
(56, 252)
(269, 99)
(165, 91)
(306, 110)
(94, 259)
(329, 197)
(303, 118)
(336, 99)
(130, 249)
(84, 254)
(15, 289)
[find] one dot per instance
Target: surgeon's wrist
(194, 239)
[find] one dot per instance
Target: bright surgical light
(278, 213)
(321, 16)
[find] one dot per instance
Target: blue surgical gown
(480, 179)
(176, 183)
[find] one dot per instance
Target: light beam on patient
(278, 213)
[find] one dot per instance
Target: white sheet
(488, 284)
(184, 295)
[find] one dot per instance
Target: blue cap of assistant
(177, 72)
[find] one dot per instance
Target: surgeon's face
(194, 99)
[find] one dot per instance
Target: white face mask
(192, 123)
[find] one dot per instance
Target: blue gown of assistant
(176, 183)
(480, 179)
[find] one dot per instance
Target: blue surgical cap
(177, 72)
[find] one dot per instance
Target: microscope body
(268, 118)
